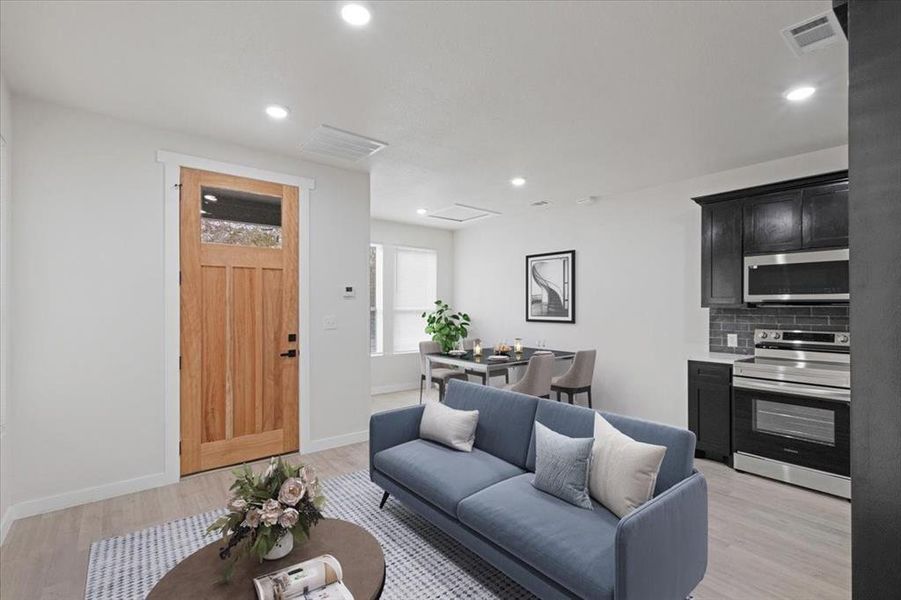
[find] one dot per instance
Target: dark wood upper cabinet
(824, 216)
(721, 255)
(772, 223)
(801, 214)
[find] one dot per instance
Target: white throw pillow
(623, 471)
(449, 426)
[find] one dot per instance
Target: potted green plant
(446, 327)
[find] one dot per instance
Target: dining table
(483, 364)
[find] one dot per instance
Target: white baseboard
(5, 523)
(334, 442)
(47, 504)
(394, 387)
(38, 506)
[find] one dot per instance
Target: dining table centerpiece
(268, 512)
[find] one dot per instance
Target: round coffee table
(200, 575)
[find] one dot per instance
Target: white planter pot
(282, 547)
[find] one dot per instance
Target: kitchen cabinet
(772, 223)
(789, 216)
(721, 254)
(824, 216)
(710, 408)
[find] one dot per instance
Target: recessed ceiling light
(276, 112)
(210, 198)
(421, 211)
(518, 181)
(800, 93)
(355, 14)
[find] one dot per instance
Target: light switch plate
(732, 340)
(330, 322)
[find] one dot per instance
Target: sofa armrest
(661, 547)
(393, 427)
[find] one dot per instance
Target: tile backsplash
(744, 321)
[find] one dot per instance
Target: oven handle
(794, 389)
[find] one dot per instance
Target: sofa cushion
(505, 418)
(570, 545)
(561, 466)
(441, 475)
(454, 428)
(577, 421)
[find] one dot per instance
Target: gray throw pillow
(561, 465)
(449, 426)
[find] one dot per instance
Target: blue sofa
(485, 500)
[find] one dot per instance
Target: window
(415, 290)
(376, 313)
(240, 218)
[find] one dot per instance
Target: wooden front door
(239, 365)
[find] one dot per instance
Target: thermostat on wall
(349, 291)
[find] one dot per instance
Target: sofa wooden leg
(384, 499)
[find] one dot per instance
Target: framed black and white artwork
(551, 287)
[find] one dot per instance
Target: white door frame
(172, 293)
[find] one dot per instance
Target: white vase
(282, 547)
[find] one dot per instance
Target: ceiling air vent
(813, 34)
(461, 213)
(330, 141)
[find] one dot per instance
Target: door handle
(289, 353)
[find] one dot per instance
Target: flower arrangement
(282, 502)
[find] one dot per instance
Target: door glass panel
(791, 420)
(799, 278)
(240, 218)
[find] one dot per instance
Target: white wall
(393, 372)
(6, 483)
(637, 281)
(88, 295)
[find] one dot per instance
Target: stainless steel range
(791, 409)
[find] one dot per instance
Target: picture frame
(551, 287)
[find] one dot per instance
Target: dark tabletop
(200, 575)
(516, 359)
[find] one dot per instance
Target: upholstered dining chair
(441, 374)
(467, 345)
(537, 379)
(578, 377)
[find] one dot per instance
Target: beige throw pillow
(623, 471)
(449, 426)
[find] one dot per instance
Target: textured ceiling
(579, 98)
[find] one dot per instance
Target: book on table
(319, 578)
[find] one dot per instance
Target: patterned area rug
(422, 561)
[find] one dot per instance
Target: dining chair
(467, 345)
(578, 377)
(441, 374)
(537, 379)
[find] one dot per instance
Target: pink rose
(237, 504)
(307, 474)
(289, 518)
(272, 510)
(292, 491)
(252, 518)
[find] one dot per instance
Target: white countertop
(704, 355)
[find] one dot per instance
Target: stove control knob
(764, 335)
(843, 339)
(776, 335)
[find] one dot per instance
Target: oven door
(799, 424)
(820, 276)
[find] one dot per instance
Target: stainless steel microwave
(814, 276)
